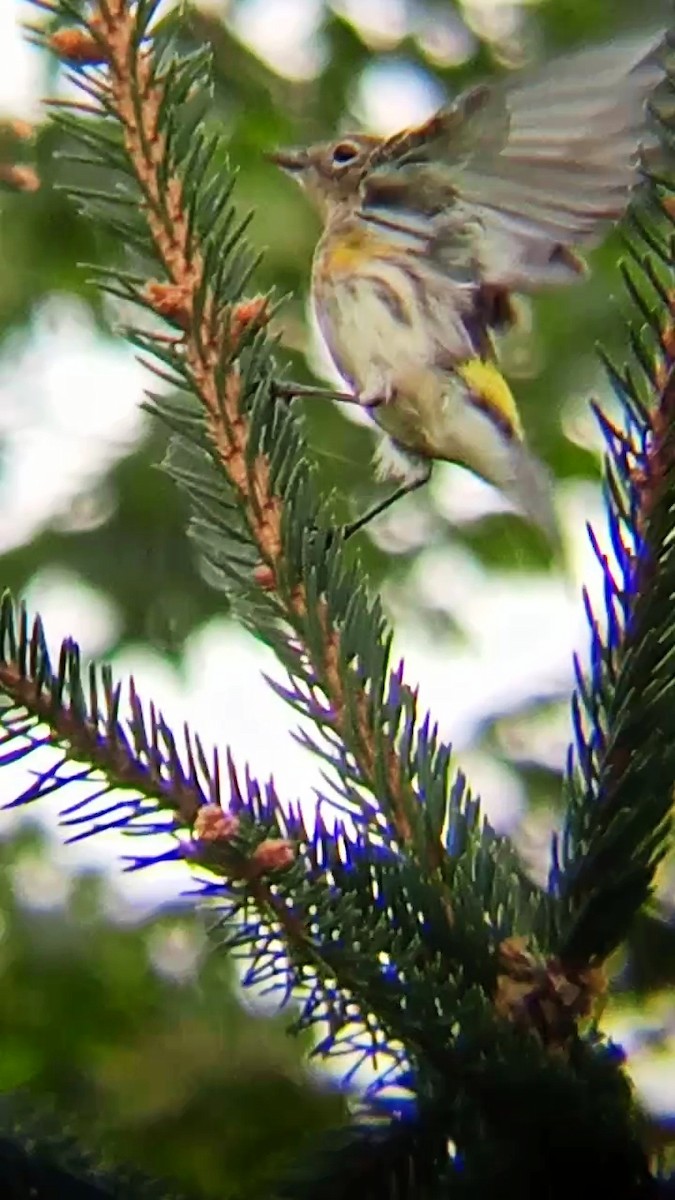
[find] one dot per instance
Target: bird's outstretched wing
(531, 167)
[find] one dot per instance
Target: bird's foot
(377, 395)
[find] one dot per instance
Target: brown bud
(170, 300)
(212, 824)
(17, 128)
(272, 855)
(77, 46)
(19, 176)
(247, 313)
(264, 577)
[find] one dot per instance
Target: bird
(431, 234)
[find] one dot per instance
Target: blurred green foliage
(131, 1040)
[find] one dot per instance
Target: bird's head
(330, 172)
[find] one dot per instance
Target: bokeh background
(92, 536)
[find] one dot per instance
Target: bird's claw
(375, 397)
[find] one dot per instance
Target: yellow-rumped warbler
(429, 232)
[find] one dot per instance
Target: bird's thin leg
(289, 391)
(364, 400)
(404, 490)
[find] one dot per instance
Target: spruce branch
(138, 95)
(330, 915)
(621, 776)
(354, 931)
(238, 452)
(239, 846)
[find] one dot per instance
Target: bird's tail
(531, 489)
(510, 465)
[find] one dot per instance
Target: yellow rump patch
(486, 382)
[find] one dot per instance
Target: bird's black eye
(344, 152)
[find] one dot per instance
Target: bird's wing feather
(548, 160)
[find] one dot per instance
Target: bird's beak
(292, 161)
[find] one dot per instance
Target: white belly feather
(388, 349)
(362, 321)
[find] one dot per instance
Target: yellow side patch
(345, 256)
(346, 252)
(491, 390)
